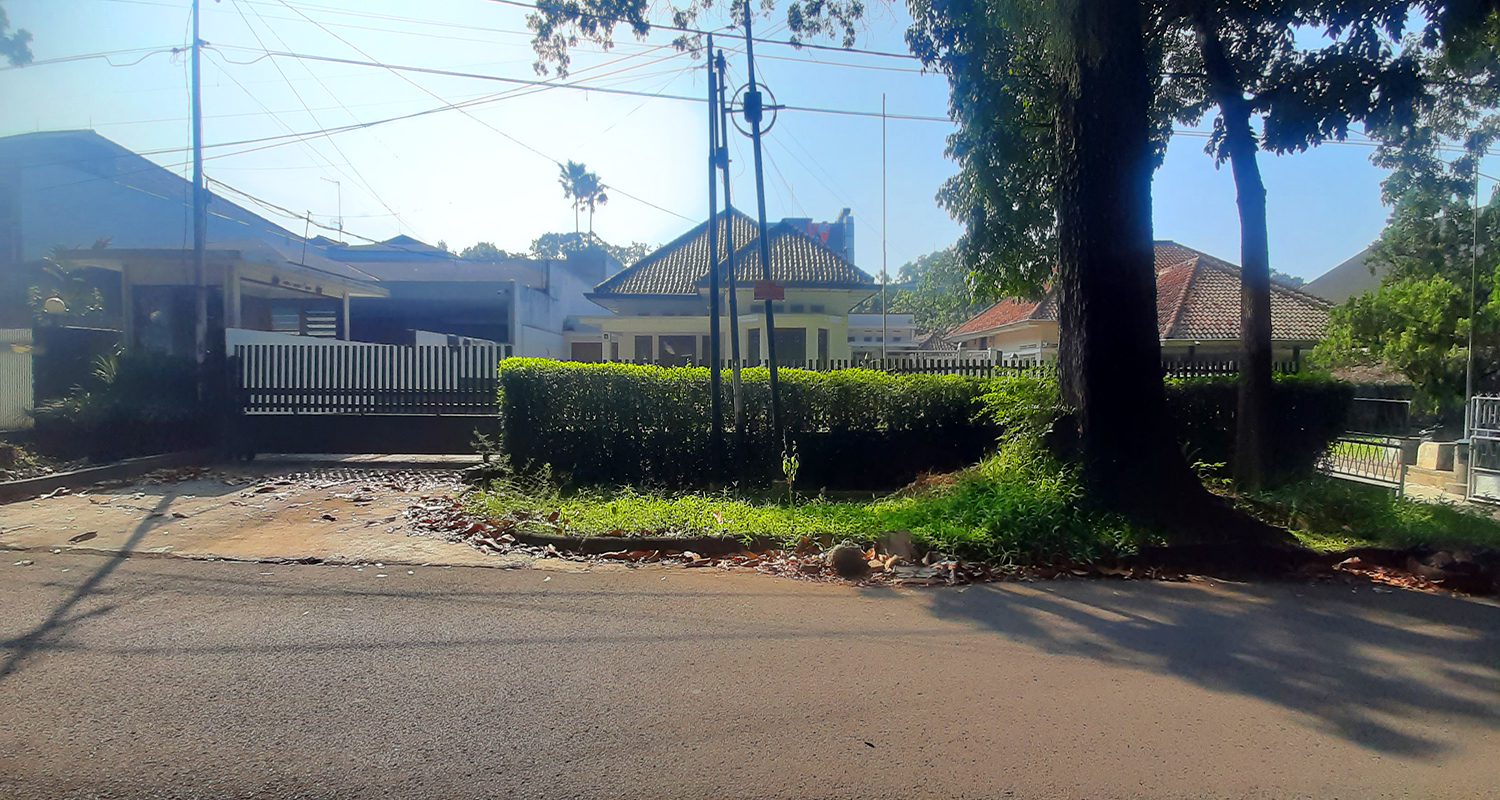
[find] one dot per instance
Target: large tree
(584, 188)
(1243, 58)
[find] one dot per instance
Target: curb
(12, 491)
(595, 545)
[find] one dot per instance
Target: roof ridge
(1180, 302)
(665, 250)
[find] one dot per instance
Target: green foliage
(486, 251)
(131, 405)
(941, 297)
(583, 187)
(641, 424)
(1334, 514)
(1308, 413)
(559, 245)
(16, 47)
(1016, 507)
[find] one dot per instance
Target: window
(822, 344)
(851, 338)
(676, 351)
(614, 350)
(754, 346)
(643, 348)
(869, 339)
(798, 308)
(895, 338)
(817, 309)
(286, 319)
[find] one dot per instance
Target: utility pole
(716, 446)
(200, 215)
(730, 280)
(753, 112)
(884, 276)
(1473, 292)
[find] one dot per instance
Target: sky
(489, 172)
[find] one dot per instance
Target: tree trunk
(1110, 348)
(1252, 441)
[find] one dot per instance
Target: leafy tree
(940, 297)
(486, 251)
(584, 188)
(559, 245)
(1418, 321)
(1242, 57)
(16, 47)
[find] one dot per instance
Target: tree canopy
(16, 47)
(558, 246)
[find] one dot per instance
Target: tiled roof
(1197, 297)
(1004, 312)
(681, 266)
(797, 259)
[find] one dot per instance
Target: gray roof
(680, 267)
(1353, 277)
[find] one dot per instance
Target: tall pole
(716, 445)
(200, 214)
(753, 111)
(884, 276)
(339, 188)
(729, 277)
(1473, 293)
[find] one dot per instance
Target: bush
(644, 425)
(131, 405)
(1308, 413)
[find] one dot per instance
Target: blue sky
(464, 178)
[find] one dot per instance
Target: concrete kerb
(12, 491)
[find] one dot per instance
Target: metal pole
(753, 116)
(730, 280)
(1473, 294)
(884, 277)
(200, 214)
(716, 445)
(339, 187)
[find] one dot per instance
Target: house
(126, 223)
(1349, 279)
(870, 336)
(526, 305)
(1197, 312)
(659, 305)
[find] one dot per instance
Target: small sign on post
(769, 290)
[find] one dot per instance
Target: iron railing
(1376, 460)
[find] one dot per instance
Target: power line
(575, 86)
(104, 55)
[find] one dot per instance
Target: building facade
(659, 306)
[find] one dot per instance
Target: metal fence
(1484, 449)
(359, 378)
(977, 363)
(1376, 460)
(16, 392)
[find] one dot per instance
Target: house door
(676, 351)
(588, 351)
(791, 346)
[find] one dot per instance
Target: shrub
(130, 405)
(1309, 412)
(643, 425)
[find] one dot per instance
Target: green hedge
(649, 425)
(130, 405)
(1310, 411)
(854, 429)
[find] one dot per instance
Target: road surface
(162, 677)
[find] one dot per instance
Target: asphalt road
(158, 677)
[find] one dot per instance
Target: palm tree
(584, 188)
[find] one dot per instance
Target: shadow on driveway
(1355, 663)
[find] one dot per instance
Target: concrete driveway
(347, 511)
(180, 679)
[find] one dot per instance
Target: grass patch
(1016, 507)
(1331, 514)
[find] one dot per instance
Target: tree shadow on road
(61, 620)
(1356, 665)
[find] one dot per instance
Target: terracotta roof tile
(797, 259)
(1197, 297)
